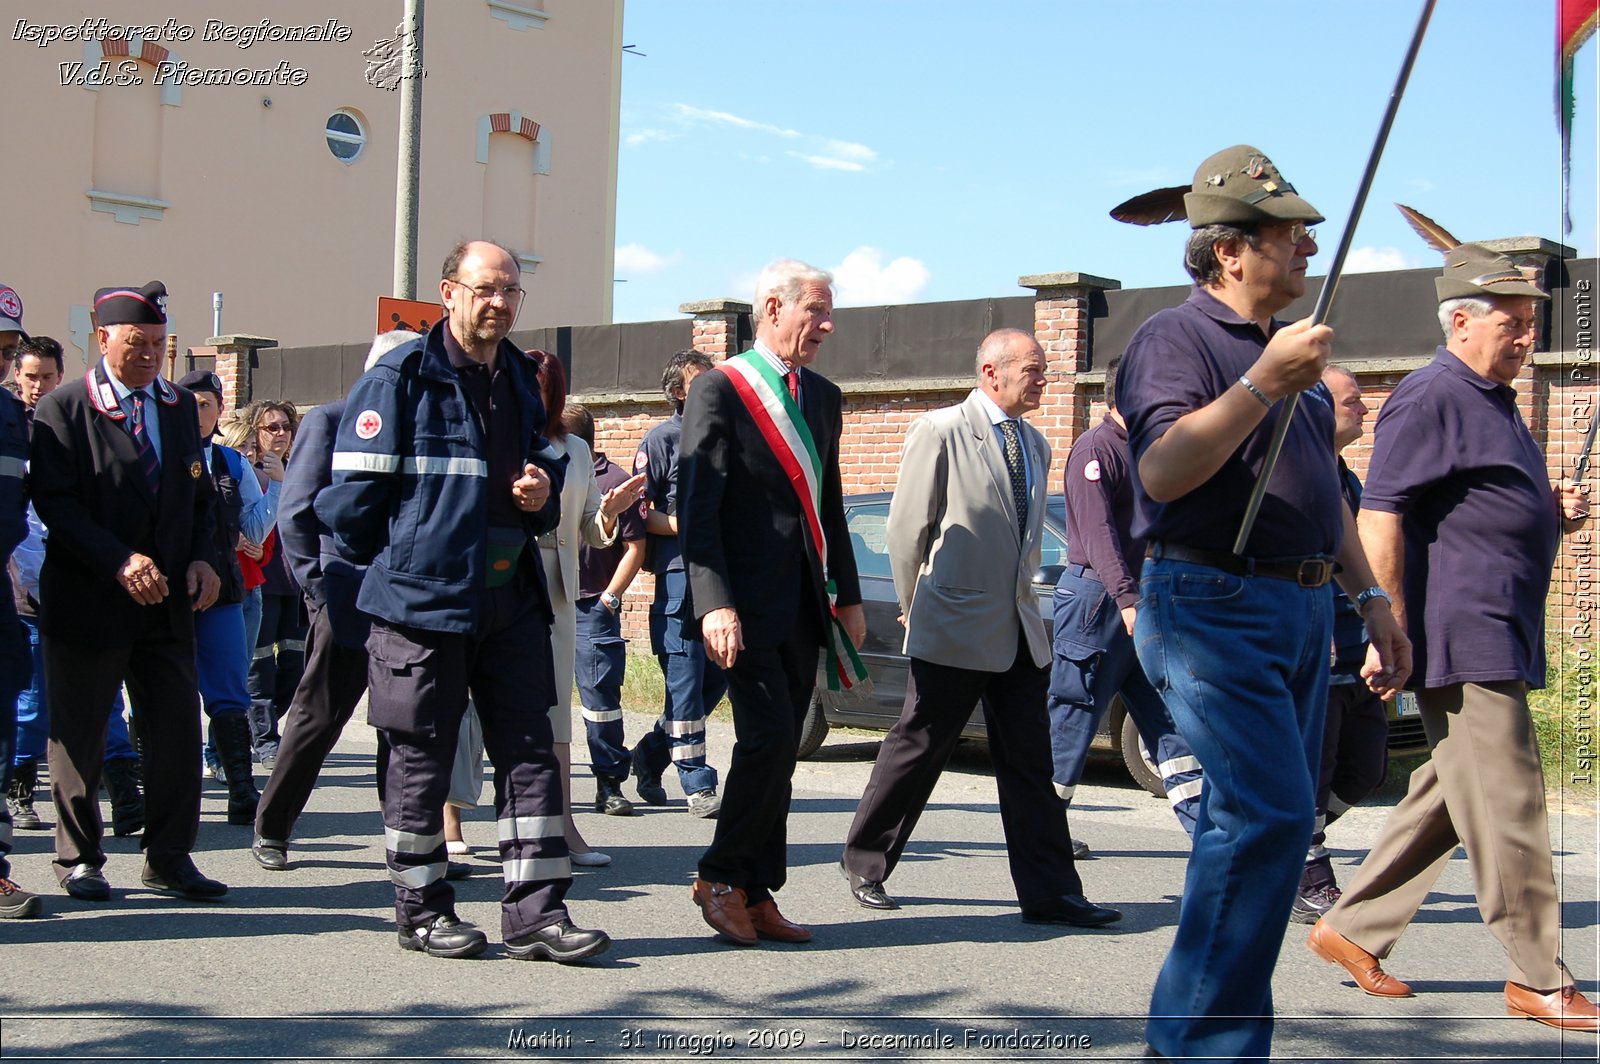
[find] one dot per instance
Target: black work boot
(19, 799)
(121, 778)
(608, 797)
(232, 734)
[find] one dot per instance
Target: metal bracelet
(1250, 387)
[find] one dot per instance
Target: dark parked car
(867, 517)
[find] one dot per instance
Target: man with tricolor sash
(771, 577)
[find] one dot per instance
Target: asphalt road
(303, 965)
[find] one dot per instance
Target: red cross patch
(368, 424)
(1092, 470)
(10, 302)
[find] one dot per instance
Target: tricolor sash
(762, 390)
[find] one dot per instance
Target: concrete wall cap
(242, 340)
(1070, 279)
(715, 306)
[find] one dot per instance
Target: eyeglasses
(486, 293)
(276, 427)
(1299, 233)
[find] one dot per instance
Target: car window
(1053, 548)
(869, 538)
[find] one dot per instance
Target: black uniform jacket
(92, 494)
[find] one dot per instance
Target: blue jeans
(33, 715)
(694, 687)
(601, 662)
(1243, 665)
(1093, 662)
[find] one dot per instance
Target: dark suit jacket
(329, 581)
(739, 520)
(92, 495)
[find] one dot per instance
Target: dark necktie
(1018, 471)
(793, 379)
(141, 436)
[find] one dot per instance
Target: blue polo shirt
(1451, 455)
(1099, 493)
(658, 461)
(1181, 360)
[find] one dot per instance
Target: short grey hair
(996, 348)
(785, 277)
(383, 343)
(1473, 306)
(1200, 254)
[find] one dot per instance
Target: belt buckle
(1314, 572)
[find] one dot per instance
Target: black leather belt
(1314, 571)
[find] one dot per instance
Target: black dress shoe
(87, 883)
(273, 856)
(559, 942)
(444, 936)
(869, 893)
(1072, 909)
(179, 877)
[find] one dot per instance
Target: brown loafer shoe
(771, 924)
(724, 909)
(1565, 1008)
(1363, 967)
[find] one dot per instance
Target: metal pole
(1331, 283)
(409, 176)
(216, 313)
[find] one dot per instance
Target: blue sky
(937, 150)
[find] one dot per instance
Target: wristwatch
(1373, 592)
(610, 601)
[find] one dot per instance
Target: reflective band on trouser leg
(601, 716)
(405, 849)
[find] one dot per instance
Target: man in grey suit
(964, 533)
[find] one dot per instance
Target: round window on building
(347, 135)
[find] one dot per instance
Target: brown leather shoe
(724, 909)
(1363, 967)
(1565, 1008)
(771, 924)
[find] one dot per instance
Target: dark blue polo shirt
(1451, 455)
(597, 565)
(1181, 360)
(1099, 493)
(658, 461)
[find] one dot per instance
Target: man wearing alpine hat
(1457, 483)
(1238, 643)
(119, 478)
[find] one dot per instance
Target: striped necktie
(141, 436)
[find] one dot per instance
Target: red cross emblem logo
(368, 424)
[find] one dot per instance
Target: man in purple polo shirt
(1457, 487)
(1238, 643)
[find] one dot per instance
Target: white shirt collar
(777, 363)
(992, 408)
(122, 390)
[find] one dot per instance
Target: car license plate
(1406, 705)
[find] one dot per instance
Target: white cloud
(1421, 184)
(863, 279)
(1377, 260)
(700, 114)
(644, 136)
(636, 258)
(823, 152)
(823, 162)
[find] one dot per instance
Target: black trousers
(770, 689)
(82, 679)
(419, 682)
(333, 682)
(939, 700)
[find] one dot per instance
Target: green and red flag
(1575, 23)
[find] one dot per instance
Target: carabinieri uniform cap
(1473, 271)
(202, 380)
(1236, 186)
(132, 306)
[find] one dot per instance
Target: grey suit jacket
(962, 573)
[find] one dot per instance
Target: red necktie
(793, 377)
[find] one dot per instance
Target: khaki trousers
(1484, 789)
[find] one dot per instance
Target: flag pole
(1331, 282)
